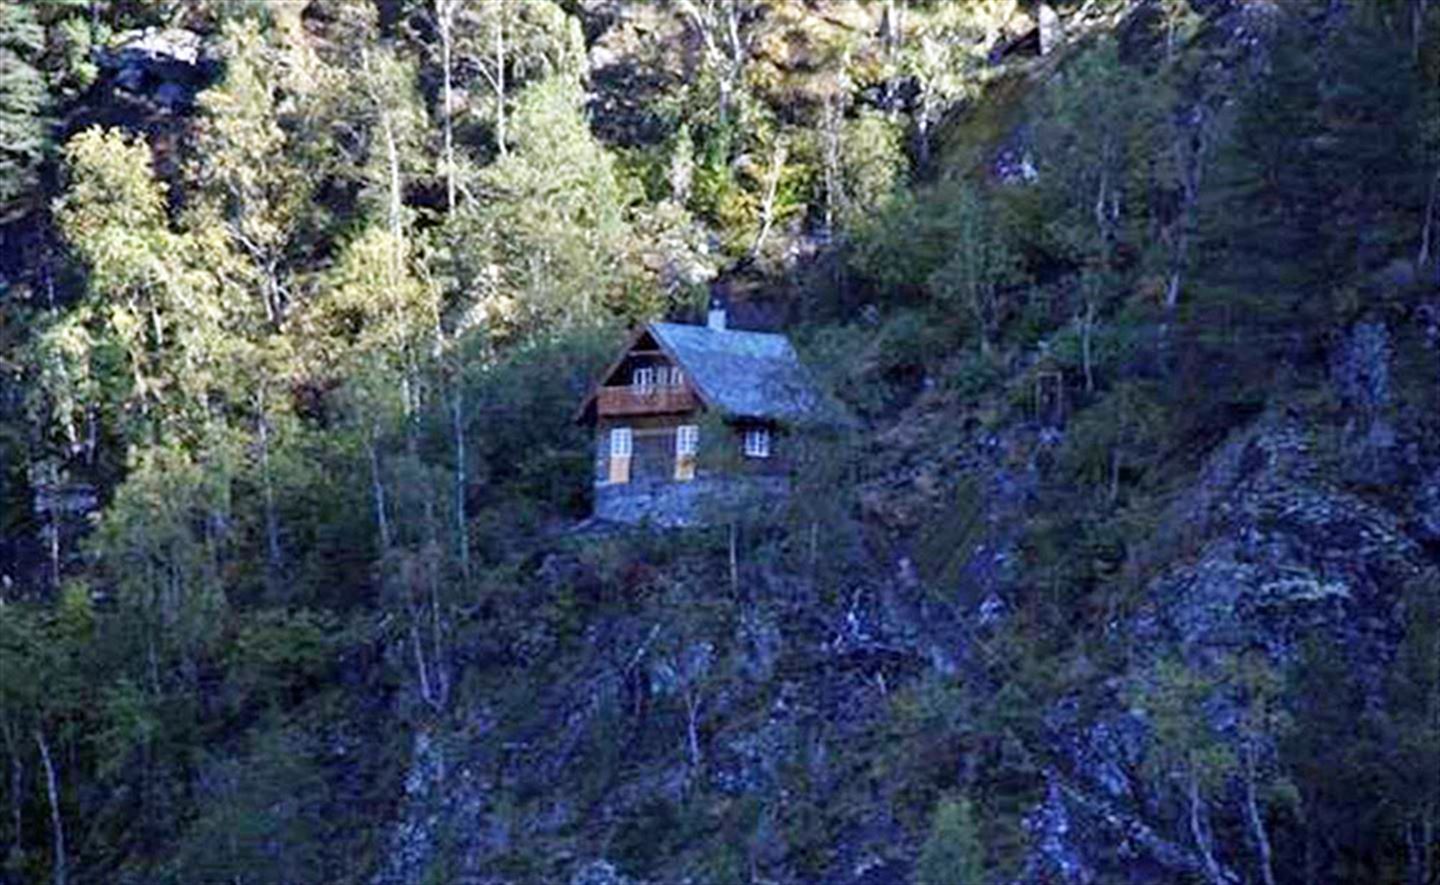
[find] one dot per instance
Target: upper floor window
(643, 378)
(757, 442)
(677, 376)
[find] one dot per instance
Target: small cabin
(688, 415)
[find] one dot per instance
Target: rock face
(1267, 553)
(600, 873)
(166, 66)
(447, 821)
(1051, 32)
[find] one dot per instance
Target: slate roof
(744, 374)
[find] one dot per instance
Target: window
(622, 444)
(687, 444)
(677, 376)
(757, 442)
(643, 378)
(687, 439)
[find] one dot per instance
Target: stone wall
(673, 504)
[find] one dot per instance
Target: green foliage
(1118, 440)
(245, 174)
(1317, 187)
(952, 243)
(873, 167)
(981, 266)
(156, 336)
(162, 543)
(551, 245)
(279, 656)
(23, 104)
(267, 343)
(1097, 132)
(952, 854)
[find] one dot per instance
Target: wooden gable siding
(629, 400)
(616, 394)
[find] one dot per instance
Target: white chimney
(716, 319)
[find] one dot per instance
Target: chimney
(716, 319)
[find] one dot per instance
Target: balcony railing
(644, 400)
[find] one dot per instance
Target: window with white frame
(622, 442)
(677, 376)
(757, 442)
(687, 443)
(687, 440)
(644, 378)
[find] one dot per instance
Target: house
(690, 415)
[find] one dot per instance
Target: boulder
(1052, 32)
(165, 65)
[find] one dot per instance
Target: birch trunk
(392, 161)
(767, 205)
(692, 726)
(17, 781)
(420, 669)
(462, 526)
(272, 522)
(834, 197)
(1427, 227)
(1197, 831)
(1252, 814)
(1087, 328)
(1417, 26)
(734, 560)
(52, 790)
(499, 81)
(377, 490)
(445, 15)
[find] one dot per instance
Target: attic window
(757, 442)
(677, 376)
(643, 378)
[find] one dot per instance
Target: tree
(45, 721)
(1187, 751)
(243, 173)
(1097, 130)
(721, 26)
(551, 242)
(1320, 185)
(165, 542)
(1179, 701)
(24, 100)
(1413, 711)
(872, 167)
(952, 854)
(981, 265)
(944, 55)
(157, 333)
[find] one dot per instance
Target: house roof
(741, 374)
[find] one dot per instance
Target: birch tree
(244, 172)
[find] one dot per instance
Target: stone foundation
(673, 504)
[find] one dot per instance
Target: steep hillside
(1127, 571)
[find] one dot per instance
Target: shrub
(952, 854)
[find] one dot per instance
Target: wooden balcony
(645, 400)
